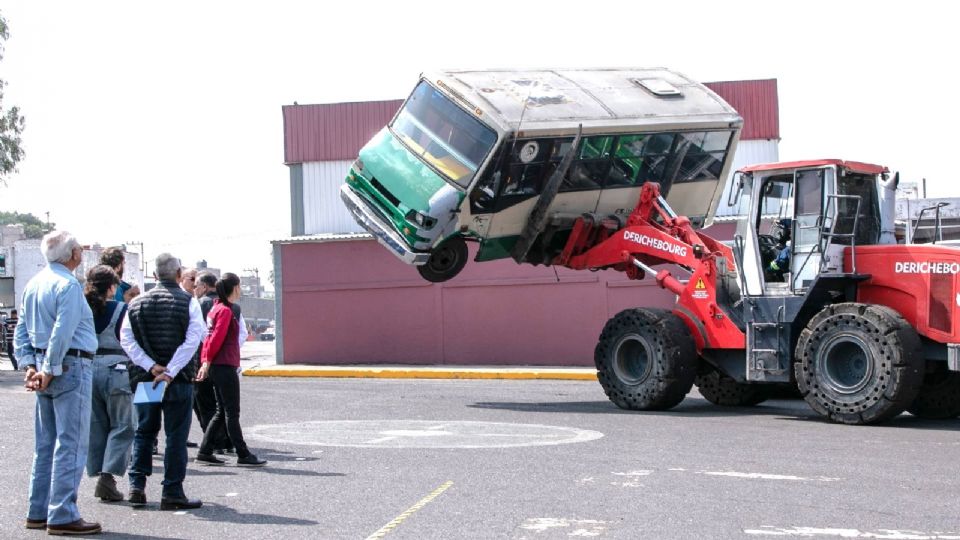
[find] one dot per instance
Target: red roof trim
(852, 166)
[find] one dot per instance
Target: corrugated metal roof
(757, 103)
(321, 238)
(337, 131)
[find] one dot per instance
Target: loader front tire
(859, 363)
(646, 359)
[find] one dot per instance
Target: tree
(11, 123)
(32, 226)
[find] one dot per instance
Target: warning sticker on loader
(700, 290)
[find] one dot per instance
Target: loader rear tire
(859, 363)
(722, 390)
(646, 359)
(939, 397)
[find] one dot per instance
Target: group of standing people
(85, 351)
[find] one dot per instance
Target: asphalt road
(530, 460)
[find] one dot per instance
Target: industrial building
(344, 299)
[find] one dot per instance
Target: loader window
(774, 227)
(809, 206)
(868, 220)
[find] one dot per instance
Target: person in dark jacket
(220, 361)
(160, 333)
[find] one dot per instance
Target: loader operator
(781, 263)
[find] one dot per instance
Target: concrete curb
(416, 372)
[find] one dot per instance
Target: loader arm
(652, 235)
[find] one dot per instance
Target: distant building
(21, 259)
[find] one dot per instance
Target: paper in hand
(146, 393)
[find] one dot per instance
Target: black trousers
(226, 385)
(205, 407)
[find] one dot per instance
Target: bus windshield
(443, 135)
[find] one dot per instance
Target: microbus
(510, 159)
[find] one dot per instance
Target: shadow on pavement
(784, 409)
(112, 534)
(219, 512)
(691, 406)
(295, 472)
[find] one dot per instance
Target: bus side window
(525, 171)
(589, 171)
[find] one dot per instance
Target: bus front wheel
(446, 260)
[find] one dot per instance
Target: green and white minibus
(469, 154)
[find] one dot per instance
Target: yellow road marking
(409, 511)
(421, 373)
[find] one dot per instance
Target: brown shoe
(107, 490)
(76, 528)
(36, 523)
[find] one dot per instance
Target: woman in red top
(220, 361)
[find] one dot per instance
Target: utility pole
(143, 259)
(256, 273)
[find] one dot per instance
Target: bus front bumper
(370, 219)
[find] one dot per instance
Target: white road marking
(891, 534)
(419, 434)
(180, 513)
(676, 470)
(642, 472)
(764, 476)
(415, 433)
(382, 439)
(581, 527)
(231, 494)
(301, 459)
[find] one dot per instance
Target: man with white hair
(55, 341)
(160, 333)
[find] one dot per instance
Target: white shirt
(196, 330)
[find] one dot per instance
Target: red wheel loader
(814, 292)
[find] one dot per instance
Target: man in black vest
(160, 333)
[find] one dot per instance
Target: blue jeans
(176, 411)
(111, 421)
(62, 431)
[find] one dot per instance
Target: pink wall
(352, 302)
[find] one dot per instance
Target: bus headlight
(422, 220)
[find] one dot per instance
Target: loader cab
(801, 217)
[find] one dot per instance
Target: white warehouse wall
(323, 212)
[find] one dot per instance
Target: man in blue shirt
(55, 341)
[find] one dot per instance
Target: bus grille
(386, 193)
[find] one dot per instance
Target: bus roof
(599, 99)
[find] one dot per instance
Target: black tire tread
(900, 371)
(674, 366)
(726, 392)
(939, 397)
